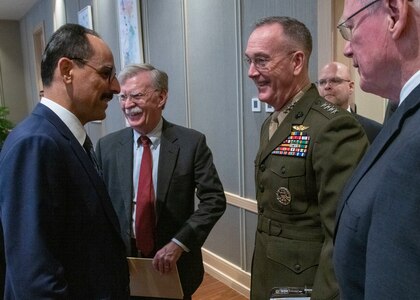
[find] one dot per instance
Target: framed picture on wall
(84, 17)
(131, 49)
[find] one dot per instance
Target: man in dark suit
(308, 149)
(391, 107)
(335, 85)
(182, 168)
(61, 233)
(377, 241)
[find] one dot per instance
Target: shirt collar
(71, 121)
(153, 135)
(409, 86)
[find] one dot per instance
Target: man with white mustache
(182, 167)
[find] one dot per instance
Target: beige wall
(11, 68)
(368, 105)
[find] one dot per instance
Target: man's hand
(166, 258)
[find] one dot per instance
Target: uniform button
(262, 168)
(283, 170)
(260, 209)
(299, 115)
(297, 267)
(261, 188)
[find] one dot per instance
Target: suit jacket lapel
(388, 133)
(124, 156)
(167, 160)
(81, 155)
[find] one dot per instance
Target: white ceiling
(15, 9)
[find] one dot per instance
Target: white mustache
(133, 111)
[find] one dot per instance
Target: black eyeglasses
(107, 72)
(345, 31)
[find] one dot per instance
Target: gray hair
(159, 78)
(295, 30)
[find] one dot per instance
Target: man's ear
(163, 96)
(298, 62)
(65, 67)
(397, 16)
(351, 87)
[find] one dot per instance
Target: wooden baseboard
(226, 272)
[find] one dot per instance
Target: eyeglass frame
(112, 74)
(334, 81)
(257, 61)
(122, 98)
(345, 31)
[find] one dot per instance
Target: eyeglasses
(345, 31)
(261, 63)
(332, 81)
(134, 97)
(107, 72)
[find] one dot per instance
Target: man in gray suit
(377, 241)
(182, 167)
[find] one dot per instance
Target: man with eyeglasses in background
(308, 149)
(182, 167)
(335, 85)
(377, 242)
(61, 234)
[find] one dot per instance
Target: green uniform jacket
(297, 195)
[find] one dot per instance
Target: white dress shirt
(409, 86)
(71, 121)
(155, 138)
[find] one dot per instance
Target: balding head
(335, 84)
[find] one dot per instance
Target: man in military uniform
(336, 86)
(308, 149)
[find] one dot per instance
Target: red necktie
(145, 203)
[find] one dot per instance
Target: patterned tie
(145, 203)
(91, 153)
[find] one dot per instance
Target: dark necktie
(91, 153)
(145, 203)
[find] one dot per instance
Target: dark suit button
(262, 168)
(260, 209)
(297, 267)
(283, 170)
(261, 188)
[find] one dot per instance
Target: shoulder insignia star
(330, 108)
